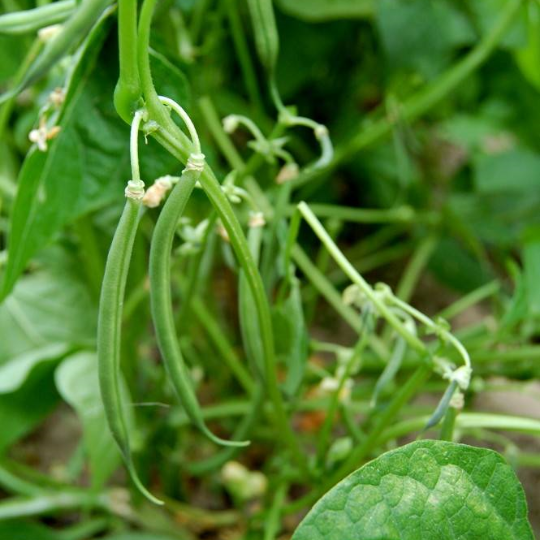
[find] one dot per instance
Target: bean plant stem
(177, 144)
(357, 279)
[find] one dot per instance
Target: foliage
(354, 263)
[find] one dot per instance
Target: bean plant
(269, 269)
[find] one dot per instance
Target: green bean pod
(265, 32)
(161, 305)
(109, 334)
(249, 323)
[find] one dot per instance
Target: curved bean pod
(110, 313)
(160, 296)
(109, 334)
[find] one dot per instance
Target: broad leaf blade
(77, 382)
(433, 490)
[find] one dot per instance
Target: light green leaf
(325, 10)
(429, 490)
(77, 382)
(438, 28)
(87, 164)
(531, 268)
(515, 170)
(14, 373)
(49, 307)
(528, 58)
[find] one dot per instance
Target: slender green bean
(160, 296)
(110, 315)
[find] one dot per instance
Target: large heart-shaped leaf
(429, 490)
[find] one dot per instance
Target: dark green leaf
(438, 28)
(429, 490)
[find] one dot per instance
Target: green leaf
(528, 57)
(77, 382)
(47, 308)
(531, 268)
(87, 164)
(325, 10)
(49, 182)
(14, 373)
(21, 530)
(515, 170)
(429, 490)
(438, 28)
(20, 413)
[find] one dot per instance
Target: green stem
(357, 279)
(178, 145)
(272, 521)
(242, 52)
(403, 214)
(414, 269)
(128, 89)
(222, 345)
(474, 297)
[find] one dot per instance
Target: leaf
(528, 57)
(77, 382)
(22, 410)
(21, 530)
(325, 10)
(14, 373)
(486, 14)
(438, 28)
(433, 490)
(531, 268)
(512, 171)
(47, 308)
(87, 164)
(49, 313)
(48, 187)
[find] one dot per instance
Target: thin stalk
(48, 503)
(231, 154)
(333, 297)
(357, 279)
(273, 519)
(243, 54)
(403, 214)
(474, 297)
(222, 345)
(414, 269)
